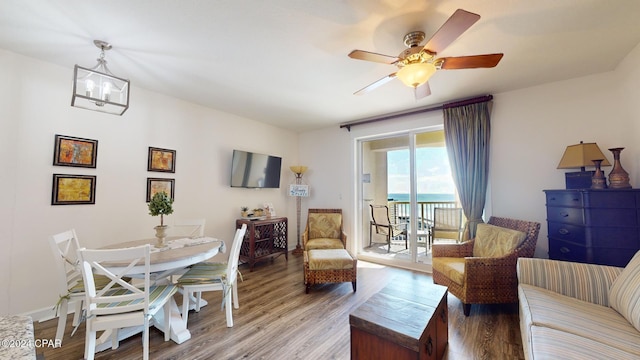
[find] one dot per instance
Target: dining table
(171, 259)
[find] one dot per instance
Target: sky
(433, 171)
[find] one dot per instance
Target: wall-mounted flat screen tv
(253, 170)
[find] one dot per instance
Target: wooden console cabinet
(594, 226)
(265, 238)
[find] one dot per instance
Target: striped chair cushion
(204, 273)
(624, 295)
(100, 280)
(596, 323)
(157, 297)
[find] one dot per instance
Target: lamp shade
(582, 155)
(298, 169)
(414, 75)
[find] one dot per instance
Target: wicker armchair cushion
(624, 294)
(329, 259)
(494, 241)
(451, 267)
(324, 243)
(324, 225)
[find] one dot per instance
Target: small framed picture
(162, 160)
(73, 189)
(156, 185)
(73, 151)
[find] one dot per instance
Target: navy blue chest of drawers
(593, 226)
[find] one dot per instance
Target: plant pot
(161, 234)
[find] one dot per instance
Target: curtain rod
(456, 103)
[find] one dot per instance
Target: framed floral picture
(162, 160)
(74, 151)
(73, 189)
(156, 185)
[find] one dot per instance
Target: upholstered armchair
(324, 230)
(483, 270)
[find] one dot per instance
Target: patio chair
(382, 223)
(447, 224)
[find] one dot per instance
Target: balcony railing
(400, 211)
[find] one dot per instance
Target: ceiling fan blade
(471, 62)
(375, 84)
(375, 57)
(458, 23)
(422, 91)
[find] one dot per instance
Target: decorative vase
(598, 180)
(161, 234)
(618, 177)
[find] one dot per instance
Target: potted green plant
(244, 211)
(161, 204)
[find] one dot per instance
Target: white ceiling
(284, 62)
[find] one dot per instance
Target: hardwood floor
(277, 320)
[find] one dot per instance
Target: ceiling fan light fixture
(98, 89)
(414, 75)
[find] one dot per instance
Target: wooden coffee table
(405, 320)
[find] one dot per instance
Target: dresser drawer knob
(563, 231)
(565, 250)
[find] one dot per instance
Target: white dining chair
(188, 227)
(120, 304)
(69, 279)
(212, 276)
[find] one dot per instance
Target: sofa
(579, 311)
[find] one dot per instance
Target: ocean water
(423, 197)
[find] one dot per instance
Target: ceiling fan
(417, 64)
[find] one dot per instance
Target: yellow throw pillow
(495, 241)
(624, 294)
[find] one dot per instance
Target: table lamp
(579, 156)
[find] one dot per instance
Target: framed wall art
(155, 185)
(162, 160)
(74, 151)
(73, 189)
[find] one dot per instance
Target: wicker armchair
(482, 280)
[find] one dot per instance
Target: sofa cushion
(599, 323)
(495, 241)
(451, 267)
(624, 294)
(552, 344)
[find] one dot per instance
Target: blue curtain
(467, 131)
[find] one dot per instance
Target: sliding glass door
(404, 178)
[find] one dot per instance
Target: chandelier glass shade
(414, 75)
(98, 89)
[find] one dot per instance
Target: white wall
(530, 130)
(35, 105)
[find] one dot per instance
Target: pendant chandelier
(98, 89)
